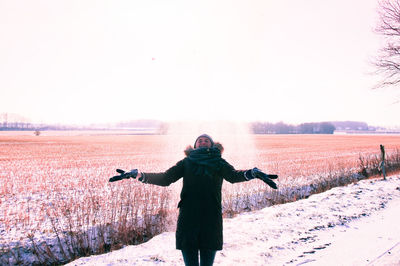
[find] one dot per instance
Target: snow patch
(344, 225)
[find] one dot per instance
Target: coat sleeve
(165, 178)
(231, 175)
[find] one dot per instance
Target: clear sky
(94, 61)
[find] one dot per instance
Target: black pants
(191, 257)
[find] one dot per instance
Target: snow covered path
(352, 225)
(369, 241)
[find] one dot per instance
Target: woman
(199, 226)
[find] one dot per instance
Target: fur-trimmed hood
(216, 145)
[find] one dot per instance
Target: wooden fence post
(383, 161)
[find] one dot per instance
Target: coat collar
(216, 145)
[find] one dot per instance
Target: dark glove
(124, 175)
(257, 173)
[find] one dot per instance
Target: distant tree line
(10, 121)
(282, 128)
(16, 122)
(351, 125)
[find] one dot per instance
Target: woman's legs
(191, 257)
(207, 257)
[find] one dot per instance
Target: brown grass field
(53, 184)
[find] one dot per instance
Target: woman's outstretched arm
(164, 178)
(233, 176)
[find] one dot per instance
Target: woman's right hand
(125, 175)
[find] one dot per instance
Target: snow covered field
(352, 225)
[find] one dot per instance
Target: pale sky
(258, 60)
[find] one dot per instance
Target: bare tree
(388, 60)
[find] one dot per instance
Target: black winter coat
(200, 213)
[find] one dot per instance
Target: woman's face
(203, 142)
